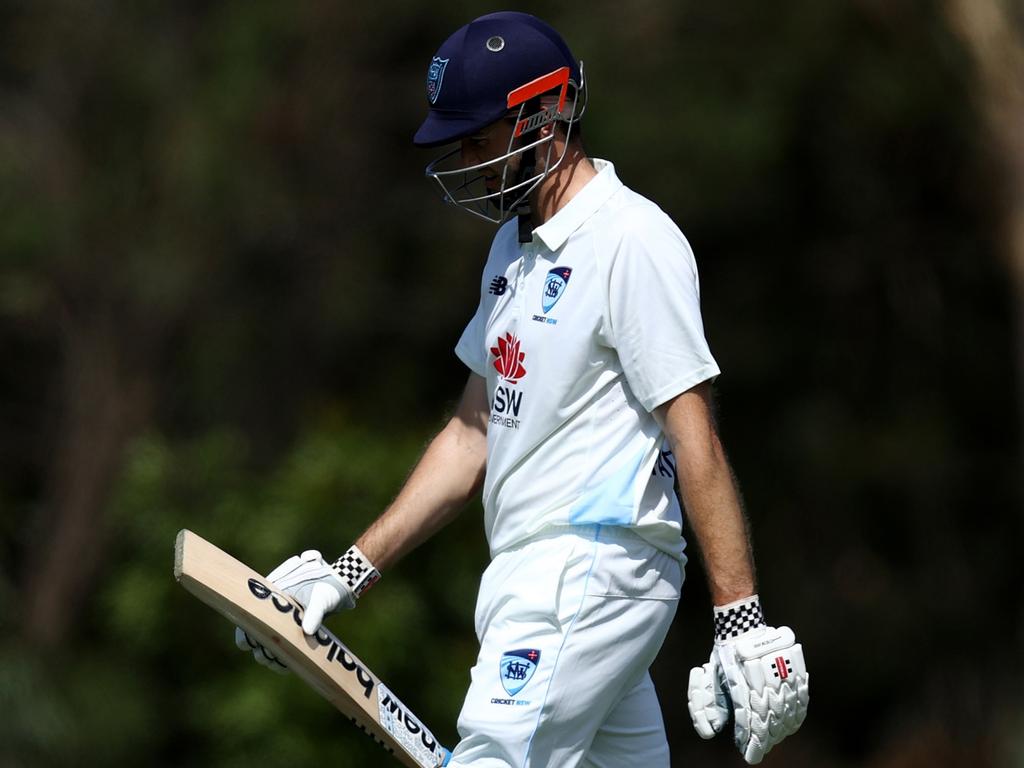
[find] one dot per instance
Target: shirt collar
(584, 204)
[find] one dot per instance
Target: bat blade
(274, 620)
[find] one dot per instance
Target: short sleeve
(654, 308)
(470, 349)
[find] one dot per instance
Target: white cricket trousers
(569, 624)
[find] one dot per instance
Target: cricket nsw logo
(517, 667)
(554, 285)
(509, 359)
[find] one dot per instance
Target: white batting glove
(319, 587)
(261, 654)
(706, 700)
(757, 674)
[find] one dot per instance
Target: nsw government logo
(508, 362)
(508, 359)
(516, 669)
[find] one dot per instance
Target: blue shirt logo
(517, 667)
(554, 285)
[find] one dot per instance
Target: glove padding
(761, 678)
(261, 654)
(315, 586)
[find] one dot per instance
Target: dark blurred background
(228, 300)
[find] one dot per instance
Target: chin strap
(523, 210)
(527, 168)
(525, 224)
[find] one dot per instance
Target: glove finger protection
(268, 660)
(262, 656)
(766, 669)
(706, 701)
(748, 739)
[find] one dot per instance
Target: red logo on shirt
(509, 360)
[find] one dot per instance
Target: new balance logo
(498, 285)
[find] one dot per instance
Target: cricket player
(588, 400)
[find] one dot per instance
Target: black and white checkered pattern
(737, 618)
(355, 569)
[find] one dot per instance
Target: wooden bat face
(274, 620)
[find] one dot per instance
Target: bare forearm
(446, 477)
(710, 494)
(715, 513)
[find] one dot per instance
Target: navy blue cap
(473, 73)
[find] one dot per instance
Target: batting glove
(319, 587)
(757, 674)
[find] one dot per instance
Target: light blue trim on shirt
(611, 502)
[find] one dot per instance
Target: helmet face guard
(466, 186)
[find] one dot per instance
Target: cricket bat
(274, 620)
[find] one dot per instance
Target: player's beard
(504, 202)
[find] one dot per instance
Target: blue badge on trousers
(517, 667)
(555, 283)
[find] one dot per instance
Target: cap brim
(440, 128)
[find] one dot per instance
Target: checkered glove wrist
(356, 571)
(738, 618)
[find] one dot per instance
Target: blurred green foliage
(153, 672)
(228, 300)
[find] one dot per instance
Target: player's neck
(563, 185)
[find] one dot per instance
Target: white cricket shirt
(580, 334)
